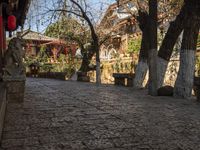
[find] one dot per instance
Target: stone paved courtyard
(65, 115)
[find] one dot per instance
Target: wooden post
(153, 48)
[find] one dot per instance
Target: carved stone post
(14, 71)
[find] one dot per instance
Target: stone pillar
(15, 91)
(14, 71)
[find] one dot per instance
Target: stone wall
(3, 103)
(110, 67)
(123, 65)
(52, 75)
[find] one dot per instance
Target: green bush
(134, 45)
(64, 63)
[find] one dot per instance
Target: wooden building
(121, 25)
(53, 46)
(35, 40)
(119, 21)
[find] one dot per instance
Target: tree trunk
(142, 66)
(174, 30)
(162, 63)
(140, 73)
(1, 43)
(95, 41)
(184, 82)
(87, 51)
(152, 55)
(87, 57)
(96, 48)
(98, 70)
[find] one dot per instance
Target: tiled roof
(31, 35)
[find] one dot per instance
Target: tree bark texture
(184, 83)
(141, 71)
(174, 30)
(162, 65)
(142, 66)
(98, 70)
(1, 42)
(87, 57)
(152, 54)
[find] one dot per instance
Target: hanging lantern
(11, 22)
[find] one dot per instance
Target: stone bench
(124, 79)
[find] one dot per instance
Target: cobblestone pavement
(65, 115)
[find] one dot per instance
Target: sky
(38, 18)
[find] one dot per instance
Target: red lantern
(11, 22)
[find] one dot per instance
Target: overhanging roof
(19, 8)
(32, 35)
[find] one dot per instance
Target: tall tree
(80, 9)
(169, 41)
(142, 17)
(152, 55)
(142, 67)
(166, 10)
(95, 39)
(184, 83)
